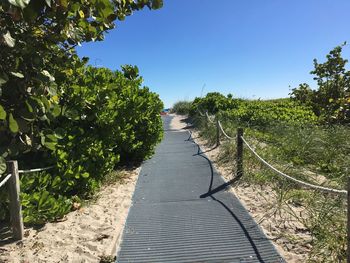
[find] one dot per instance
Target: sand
(86, 235)
(259, 203)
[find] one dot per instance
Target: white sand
(86, 234)
(259, 203)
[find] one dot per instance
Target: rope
(5, 180)
(211, 121)
(224, 133)
(200, 113)
(35, 170)
(313, 186)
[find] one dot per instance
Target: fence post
(348, 223)
(239, 159)
(217, 131)
(15, 203)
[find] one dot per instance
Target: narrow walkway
(170, 222)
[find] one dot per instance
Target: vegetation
(182, 107)
(331, 101)
(57, 110)
(306, 137)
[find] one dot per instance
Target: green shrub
(213, 102)
(107, 118)
(182, 107)
(262, 114)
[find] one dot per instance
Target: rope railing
(3, 182)
(208, 117)
(224, 133)
(35, 170)
(14, 196)
(200, 113)
(305, 184)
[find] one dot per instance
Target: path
(170, 222)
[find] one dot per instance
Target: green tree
(38, 60)
(331, 100)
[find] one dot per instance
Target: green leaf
(2, 81)
(51, 137)
(50, 145)
(85, 175)
(56, 182)
(9, 40)
(2, 165)
(56, 111)
(2, 113)
(43, 198)
(18, 75)
(13, 124)
(60, 133)
(72, 114)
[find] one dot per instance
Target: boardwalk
(175, 218)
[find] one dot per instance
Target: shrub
(182, 107)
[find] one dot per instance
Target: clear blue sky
(250, 48)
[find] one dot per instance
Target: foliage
(182, 107)
(56, 110)
(213, 102)
(37, 61)
(111, 119)
(262, 114)
(331, 100)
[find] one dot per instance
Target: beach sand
(85, 235)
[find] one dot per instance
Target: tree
(331, 100)
(38, 60)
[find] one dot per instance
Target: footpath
(182, 211)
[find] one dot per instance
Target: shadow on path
(220, 188)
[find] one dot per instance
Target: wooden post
(15, 203)
(217, 131)
(239, 171)
(348, 223)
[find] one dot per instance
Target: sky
(249, 48)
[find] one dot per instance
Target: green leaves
(13, 125)
(330, 100)
(2, 113)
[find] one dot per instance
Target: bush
(106, 118)
(262, 114)
(213, 102)
(182, 107)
